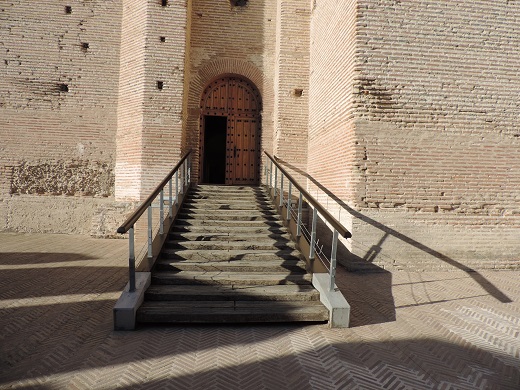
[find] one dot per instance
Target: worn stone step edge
(228, 207)
(231, 312)
(294, 266)
(230, 278)
(271, 222)
(231, 230)
(228, 236)
(224, 293)
(229, 255)
(230, 245)
(204, 218)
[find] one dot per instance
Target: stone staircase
(228, 259)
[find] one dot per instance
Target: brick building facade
(403, 113)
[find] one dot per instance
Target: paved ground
(442, 330)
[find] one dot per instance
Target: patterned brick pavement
(439, 330)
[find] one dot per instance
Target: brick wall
(291, 110)
(230, 40)
(334, 153)
(151, 94)
(59, 72)
(424, 110)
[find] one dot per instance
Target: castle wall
(59, 75)
(433, 178)
(151, 95)
(333, 151)
(225, 39)
(266, 42)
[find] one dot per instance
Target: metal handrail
(338, 228)
(128, 226)
(132, 219)
(343, 232)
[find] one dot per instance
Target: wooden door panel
(240, 102)
(245, 159)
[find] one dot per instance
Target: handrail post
(176, 188)
(181, 178)
(189, 170)
(275, 181)
(281, 189)
(299, 224)
(161, 212)
(333, 260)
(271, 175)
(150, 228)
(170, 214)
(185, 174)
(289, 201)
(131, 260)
(313, 232)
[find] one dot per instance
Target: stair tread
(231, 311)
(296, 266)
(246, 292)
(228, 236)
(230, 245)
(230, 255)
(229, 259)
(229, 278)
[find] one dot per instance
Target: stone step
(265, 244)
(230, 311)
(230, 278)
(252, 194)
(229, 236)
(230, 230)
(261, 222)
(272, 265)
(229, 215)
(227, 293)
(226, 189)
(229, 259)
(229, 255)
(243, 206)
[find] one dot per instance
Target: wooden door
(239, 101)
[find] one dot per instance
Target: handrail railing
(338, 228)
(128, 226)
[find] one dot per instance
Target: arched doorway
(230, 132)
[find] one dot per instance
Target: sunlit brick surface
(430, 330)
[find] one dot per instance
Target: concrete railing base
(339, 309)
(126, 306)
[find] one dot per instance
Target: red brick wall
(150, 119)
(413, 127)
(59, 75)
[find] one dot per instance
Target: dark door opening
(215, 130)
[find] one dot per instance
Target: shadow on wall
(375, 249)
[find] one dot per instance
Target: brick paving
(429, 330)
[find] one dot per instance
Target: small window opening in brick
(298, 92)
(238, 3)
(68, 9)
(160, 84)
(163, 39)
(63, 87)
(84, 46)
(164, 3)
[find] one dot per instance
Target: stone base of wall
(420, 242)
(395, 240)
(98, 217)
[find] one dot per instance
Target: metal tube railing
(128, 226)
(338, 228)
